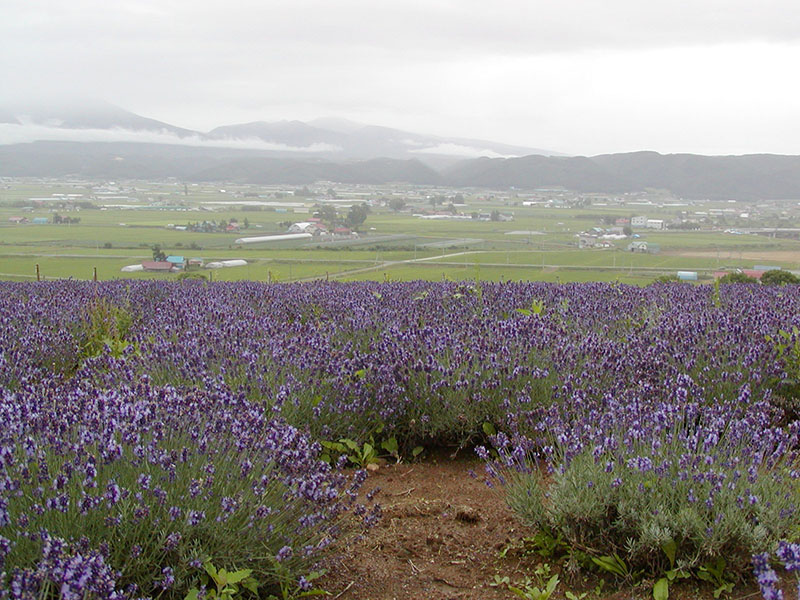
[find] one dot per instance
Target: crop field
(172, 439)
(118, 225)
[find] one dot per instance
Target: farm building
(177, 261)
(221, 264)
(640, 221)
(644, 246)
(637, 246)
(17, 220)
(157, 266)
(749, 272)
(40, 221)
(305, 227)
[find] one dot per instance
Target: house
(195, 263)
(40, 221)
(157, 266)
(655, 224)
(640, 221)
(622, 222)
(637, 246)
(17, 220)
(341, 231)
(177, 261)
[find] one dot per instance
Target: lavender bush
(629, 479)
(146, 484)
(653, 413)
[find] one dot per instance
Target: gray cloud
(580, 75)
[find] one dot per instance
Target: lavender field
(151, 429)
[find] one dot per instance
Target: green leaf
(192, 595)
(417, 451)
(368, 452)
(551, 586)
(705, 575)
(489, 429)
(211, 570)
(661, 589)
(725, 588)
(360, 374)
(524, 311)
(390, 445)
(238, 576)
(613, 564)
(350, 444)
(252, 585)
(670, 548)
(335, 446)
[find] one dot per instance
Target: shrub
(715, 481)
(779, 277)
(191, 275)
(737, 278)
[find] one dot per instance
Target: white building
(655, 224)
(639, 221)
(304, 227)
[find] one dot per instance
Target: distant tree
(628, 231)
(737, 278)
(397, 204)
(326, 212)
(356, 216)
(495, 215)
(779, 277)
(331, 193)
(474, 215)
(246, 223)
(158, 254)
(458, 199)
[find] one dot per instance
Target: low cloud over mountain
(325, 138)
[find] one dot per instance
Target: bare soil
(440, 537)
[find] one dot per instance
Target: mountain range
(104, 141)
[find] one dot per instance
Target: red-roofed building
(159, 266)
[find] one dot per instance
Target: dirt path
(440, 538)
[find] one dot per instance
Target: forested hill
(749, 177)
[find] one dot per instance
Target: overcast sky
(577, 76)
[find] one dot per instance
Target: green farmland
(108, 230)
